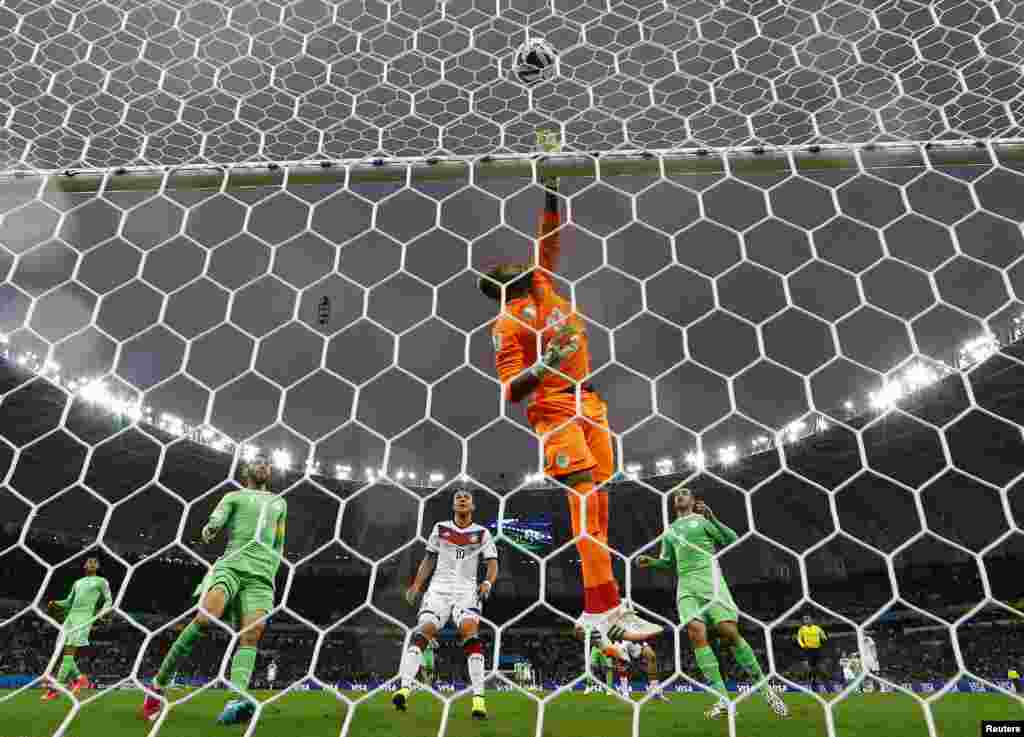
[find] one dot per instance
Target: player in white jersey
(454, 552)
(869, 659)
(850, 666)
(631, 655)
(271, 674)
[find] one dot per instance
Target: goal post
(740, 161)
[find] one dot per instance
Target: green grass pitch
(320, 714)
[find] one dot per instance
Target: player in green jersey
(239, 587)
(80, 607)
(703, 597)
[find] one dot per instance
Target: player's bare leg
(412, 661)
(213, 605)
(729, 634)
(474, 650)
(651, 668)
(238, 711)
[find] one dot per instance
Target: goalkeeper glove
(564, 344)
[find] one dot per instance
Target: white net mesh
(824, 340)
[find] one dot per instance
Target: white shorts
(871, 666)
(439, 607)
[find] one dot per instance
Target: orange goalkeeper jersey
(516, 330)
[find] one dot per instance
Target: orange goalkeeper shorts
(574, 442)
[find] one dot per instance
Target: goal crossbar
(678, 162)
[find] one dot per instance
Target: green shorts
(428, 659)
(76, 629)
(714, 610)
(245, 593)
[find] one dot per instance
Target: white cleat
(719, 710)
(622, 623)
(775, 701)
(659, 695)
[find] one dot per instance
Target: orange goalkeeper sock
(600, 591)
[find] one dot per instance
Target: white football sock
(411, 662)
(475, 663)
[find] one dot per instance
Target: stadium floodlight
(281, 459)
(821, 424)
(977, 350)
(918, 376)
(665, 465)
(412, 475)
(342, 473)
(890, 393)
(633, 470)
(436, 477)
(172, 424)
(695, 460)
(728, 455)
(848, 405)
(249, 453)
(400, 475)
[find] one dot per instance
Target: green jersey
(597, 657)
(255, 521)
(689, 546)
(87, 592)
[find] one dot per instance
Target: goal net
(792, 234)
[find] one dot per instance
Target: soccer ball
(533, 58)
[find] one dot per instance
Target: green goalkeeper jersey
(597, 657)
(255, 522)
(86, 593)
(689, 546)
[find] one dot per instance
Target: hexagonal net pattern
(828, 357)
(100, 85)
(825, 349)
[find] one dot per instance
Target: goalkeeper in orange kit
(541, 355)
